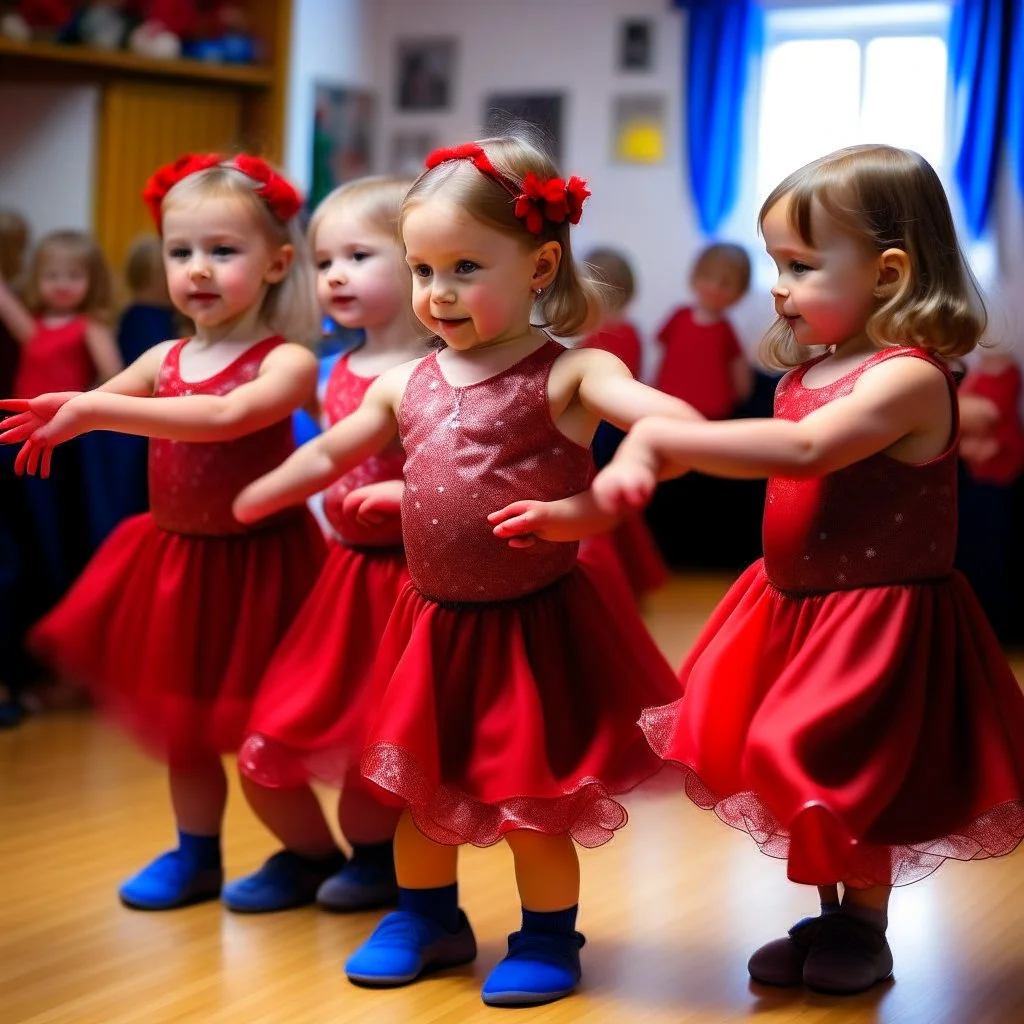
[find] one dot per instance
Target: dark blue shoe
(362, 884)
(286, 880)
(171, 881)
(404, 945)
(540, 967)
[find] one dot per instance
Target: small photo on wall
(342, 138)
(541, 110)
(638, 129)
(426, 72)
(636, 45)
(409, 150)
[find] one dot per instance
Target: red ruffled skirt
(864, 735)
(515, 715)
(639, 555)
(315, 702)
(172, 633)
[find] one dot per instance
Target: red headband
(278, 194)
(536, 199)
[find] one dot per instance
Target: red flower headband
(278, 194)
(536, 199)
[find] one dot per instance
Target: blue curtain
(1015, 96)
(979, 60)
(722, 37)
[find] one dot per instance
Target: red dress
(174, 620)
(55, 359)
(1003, 390)
(511, 682)
(847, 703)
(312, 711)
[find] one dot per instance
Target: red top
(469, 452)
(342, 395)
(876, 522)
(621, 340)
(193, 483)
(55, 359)
(1003, 390)
(697, 363)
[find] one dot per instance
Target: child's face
(717, 286)
(219, 261)
(362, 279)
(825, 292)
(63, 283)
(472, 285)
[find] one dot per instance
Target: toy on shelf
(222, 35)
(41, 20)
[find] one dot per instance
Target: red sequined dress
(847, 703)
(511, 681)
(312, 712)
(175, 619)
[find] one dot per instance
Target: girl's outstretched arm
(321, 461)
(17, 319)
(523, 523)
(103, 351)
(901, 407)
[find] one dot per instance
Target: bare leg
(363, 819)
(294, 816)
(547, 870)
(199, 792)
(420, 863)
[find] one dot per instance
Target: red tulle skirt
(639, 555)
(515, 715)
(864, 735)
(315, 702)
(172, 633)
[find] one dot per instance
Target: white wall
(571, 47)
(329, 44)
(47, 153)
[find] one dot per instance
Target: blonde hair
(888, 198)
(144, 263)
(82, 248)
(13, 239)
(378, 198)
(726, 254)
(571, 302)
(289, 306)
(611, 269)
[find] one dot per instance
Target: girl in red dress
(847, 703)
(174, 620)
(311, 707)
(506, 681)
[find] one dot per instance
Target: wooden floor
(671, 908)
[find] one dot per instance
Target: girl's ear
(546, 261)
(893, 273)
(279, 266)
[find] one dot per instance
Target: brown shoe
(848, 955)
(781, 961)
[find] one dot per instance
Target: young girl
(175, 619)
(505, 684)
(847, 703)
(314, 693)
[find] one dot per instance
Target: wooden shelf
(17, 59)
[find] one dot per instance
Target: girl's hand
(36, 453)
(523, 523)
(624, 486)
(30, 414)
(375, 503)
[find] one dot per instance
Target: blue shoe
(540, 967)
(404, 945)
(286, 880)
(362, 884)
(171, 881)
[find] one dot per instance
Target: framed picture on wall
(343, 127)
(636, 45)
(638, 129)
(409, 150)
(426, 72)
(542, 110)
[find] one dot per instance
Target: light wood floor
(671, 908)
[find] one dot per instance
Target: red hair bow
(275, 191)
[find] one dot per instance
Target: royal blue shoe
(362, 884)
(171, 881)
(404, 945)
(285, 881)
(540, 967)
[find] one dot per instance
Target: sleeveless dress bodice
(467, 450)
(876, 522)
(55, 359)
(344, 392)
(192, 484)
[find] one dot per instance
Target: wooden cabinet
(151, 111)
